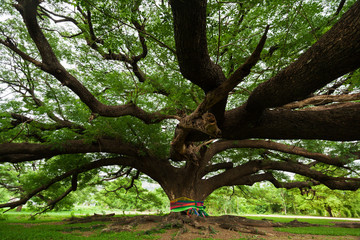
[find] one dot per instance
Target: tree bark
(185, 183)
(335, 123)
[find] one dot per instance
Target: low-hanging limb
(341, 183)
(76, 171)
(248, 173)
(52, 203)
(288, 185)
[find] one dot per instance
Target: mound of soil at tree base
(177, 226)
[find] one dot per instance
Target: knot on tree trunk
(205, 123)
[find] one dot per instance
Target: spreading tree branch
(51, 64)
(247, 174)
(333, 55)
(74, 172)
(270, 145)
(331, 123)
(223, 90)
(216, 167)
(19, 152)
(322, 100)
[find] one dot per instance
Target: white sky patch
(150, 186)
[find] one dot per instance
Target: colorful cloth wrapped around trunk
(189, 206)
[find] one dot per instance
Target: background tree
(196, 95)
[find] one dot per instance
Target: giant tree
(194, 94)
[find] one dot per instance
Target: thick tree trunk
(185, 186)
(185, 182)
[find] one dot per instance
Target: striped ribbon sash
(189, 206)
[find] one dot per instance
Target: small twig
(341, 5)
(22, 129)
(219, 36)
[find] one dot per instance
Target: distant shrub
(346, 213)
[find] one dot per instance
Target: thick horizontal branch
(322, 100)
(229, 144)
(17, 158)
(216, 167)
(247, 174)
(336, 122)
(19, 152)
(336, 53)
(278, 184)
(234, 175)
(250, 180)
(340, 183)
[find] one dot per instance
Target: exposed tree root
(178, 221)
(186, 224)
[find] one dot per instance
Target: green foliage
(266, 199)
(136, 198)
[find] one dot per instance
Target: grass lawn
(20, 226)
(330, 231)
(10, 231)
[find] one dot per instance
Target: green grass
(19, 226)
(308, 220)
(329, 231)
(12, 231)
(317, 230)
